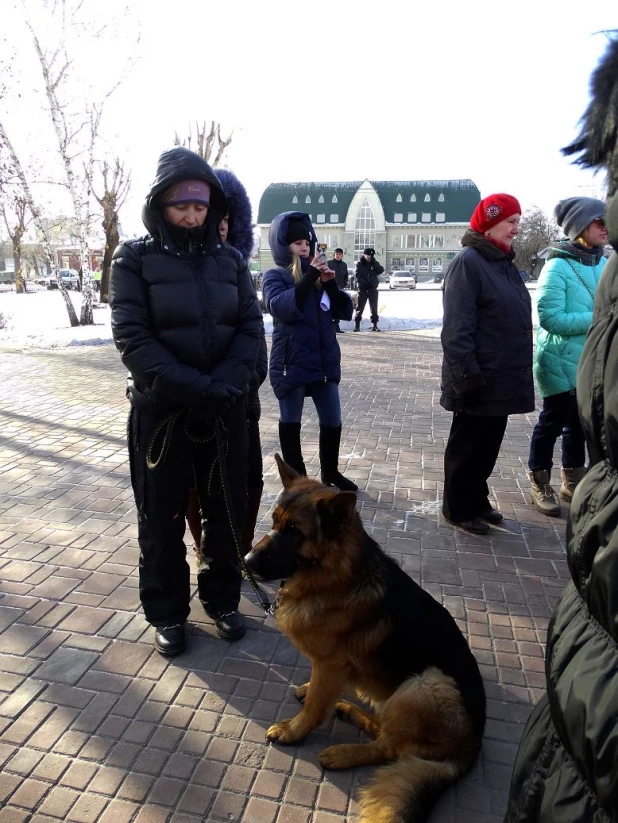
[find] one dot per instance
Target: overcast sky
(341, 90)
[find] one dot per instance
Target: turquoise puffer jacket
(565, 303)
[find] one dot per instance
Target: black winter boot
(357, 325)
(289, 437)
(330, 438)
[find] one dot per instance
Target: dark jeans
(558, 417)
(161, 500)
(363, 294)
(325, 398)
(470, 457)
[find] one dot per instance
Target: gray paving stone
(122, 735)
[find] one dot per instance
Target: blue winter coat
(565, 303)
(304, 345)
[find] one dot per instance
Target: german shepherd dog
(369, 629)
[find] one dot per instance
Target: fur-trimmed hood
(278, 232)
(240, 232)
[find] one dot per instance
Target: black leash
(154, 461)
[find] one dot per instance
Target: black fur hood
(240, 232)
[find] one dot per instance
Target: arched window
(321, 199)
(364, 230)
(412, 198)
(441, 199)
(399, 198)
(427, 199)
(335, 198)
(295, 199)
(307, 199)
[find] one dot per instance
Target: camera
(321, 249)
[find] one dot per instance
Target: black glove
(219, 397)
(471, 399)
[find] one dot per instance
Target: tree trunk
(112, 239)
(17, 259)
(87, 317)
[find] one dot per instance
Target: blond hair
(295, 268)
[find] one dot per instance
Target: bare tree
(205, 142)
(116, 183)
(16, 218)
(76, 125)
(18, 171)
(536, 232)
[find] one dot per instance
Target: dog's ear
(335, 511)
(287, 474)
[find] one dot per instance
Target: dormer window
(307, 199)
(335, 198)
(427, 199)
(295, 199)
(399, 198)
(441, 199)
(412, 198)
(321, 199)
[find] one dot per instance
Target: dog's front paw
(283, 732)
(337, 757)
(301, 692)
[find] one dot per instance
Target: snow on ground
(40, 319)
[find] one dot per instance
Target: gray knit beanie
(575, 214)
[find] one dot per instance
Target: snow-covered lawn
(40, 319)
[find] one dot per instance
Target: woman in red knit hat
(487, 365)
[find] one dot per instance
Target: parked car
(402, 280)
(69, 278)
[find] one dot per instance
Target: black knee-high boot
(330, 438)
(289, 437)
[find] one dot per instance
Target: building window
(410, 263)
(412, 198)
(426, 217)
(321, 199)
(398, 241)
(295, 199)
(335, 198)
(397, 264)
(423, 264)
(398, 218)
(321, 218)
(438, 241)
(411, 217)
(411, 242)
(364, 230)
(334, 218)
(399, 198)
(441, 199)
(307, 199)
(425, 241)
(440, 217)
(427, 199)
(436, 264)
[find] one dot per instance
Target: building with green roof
(412, 224)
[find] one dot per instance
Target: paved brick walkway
(96, 726)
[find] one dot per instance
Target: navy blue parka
(304, 347)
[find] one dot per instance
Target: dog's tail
(406, 791)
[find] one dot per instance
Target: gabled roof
(456, 199)
(279, 197)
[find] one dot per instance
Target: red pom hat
(493, 210)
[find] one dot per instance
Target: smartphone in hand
(321, 249)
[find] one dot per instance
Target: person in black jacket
(368, 271)
(341, 278)
(566, 769)
(236, 228)
(186, 320)
(487, 363)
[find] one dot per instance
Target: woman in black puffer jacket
(188, 325)
(566, 769)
